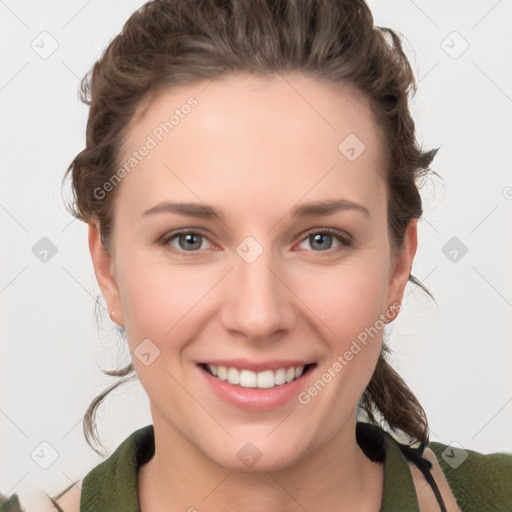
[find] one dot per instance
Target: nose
(259, 305)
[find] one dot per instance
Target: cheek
(347, 302)
(347, 299)
(160, 305)
(157, 300)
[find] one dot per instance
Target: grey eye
(190, 241)
(321, 241)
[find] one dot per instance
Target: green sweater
(481, 483)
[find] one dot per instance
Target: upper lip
(257, 366)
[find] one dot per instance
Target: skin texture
(255, 149)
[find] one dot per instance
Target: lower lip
(256, 399)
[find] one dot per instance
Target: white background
(455, 356)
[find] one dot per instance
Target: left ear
(401, 264)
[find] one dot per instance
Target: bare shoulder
(424, 492)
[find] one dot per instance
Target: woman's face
(281, 278)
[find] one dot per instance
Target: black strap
(371, 439)
(424, 465)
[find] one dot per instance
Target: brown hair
(171, 42)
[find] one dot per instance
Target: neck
(335, 476)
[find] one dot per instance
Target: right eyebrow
(202, 211)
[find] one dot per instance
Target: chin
(259, 455)
(254, 461)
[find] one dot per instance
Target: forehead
(268, 136)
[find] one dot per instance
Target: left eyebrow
(328, 208)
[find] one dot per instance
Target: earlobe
(402, 263)
(105, 275)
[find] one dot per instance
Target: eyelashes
(167, 239)
(189, 235)
(343, 239)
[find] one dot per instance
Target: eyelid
(344, 238)
(342, 235)
(165, 239)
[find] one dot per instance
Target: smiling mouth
(266, 379)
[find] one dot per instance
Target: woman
(249, 181)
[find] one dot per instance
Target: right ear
(105, 274)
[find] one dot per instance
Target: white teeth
(248, 379)
(266, 379)
(222, 372)
(280, 377)
(233, 376)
